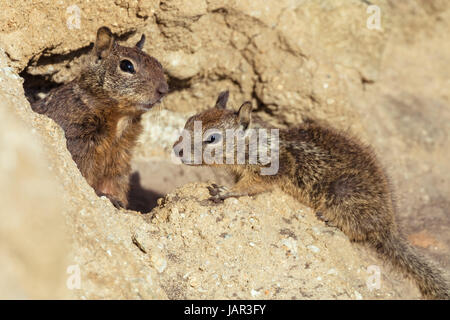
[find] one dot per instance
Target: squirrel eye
(215, 137)
(127, 66)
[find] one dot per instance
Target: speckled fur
(341, 179)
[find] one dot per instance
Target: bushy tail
(429, 279)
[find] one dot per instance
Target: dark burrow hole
(36, 85)
(150, 179)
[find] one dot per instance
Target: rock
(272, 259)
(51, 203)
(159, 263)
(313, 248)
(33, 247)
(293, 59)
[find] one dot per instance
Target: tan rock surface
(33, 246)
(292, 59)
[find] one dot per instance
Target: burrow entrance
(152, 177)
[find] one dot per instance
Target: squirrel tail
(429, 279)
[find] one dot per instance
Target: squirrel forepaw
(320, 215)
(214, 189)
(218, 193)
(116, 203)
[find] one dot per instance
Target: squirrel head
(127, 75)
(208, 131)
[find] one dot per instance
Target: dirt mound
(292, 59)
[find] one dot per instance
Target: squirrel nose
(163, 88)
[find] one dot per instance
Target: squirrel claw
(218, 193)
(116, 203)
(216, 199)
(216, 190)
(322, 217)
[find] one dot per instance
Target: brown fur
(100, 112)
(340, 178)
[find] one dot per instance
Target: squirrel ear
(245, 114)
(222, 100)
(104, 42)
(141, 42)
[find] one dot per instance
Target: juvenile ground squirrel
(330, 171)
(100, 111)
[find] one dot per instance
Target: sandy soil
(291, 59)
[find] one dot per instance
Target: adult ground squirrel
(330, 171)
(100, 111)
